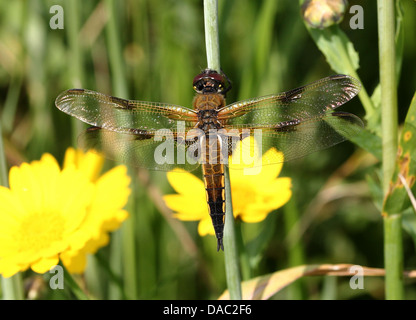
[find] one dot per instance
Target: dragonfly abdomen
(213, 171)
(214, 186)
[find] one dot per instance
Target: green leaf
(338, 49)
(397, 199)
(255, 248)
(375, 188)
(369, 142)
(354, 131)
(399, 38)
(343, 58)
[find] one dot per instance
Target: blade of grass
(75, 71)
(10, 105)
(262, 38)
(232, 269)
(125, 262)
(4, 181)
(294, 246)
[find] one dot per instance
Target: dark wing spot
(287, 126)
(76, 91)
(141, 134)
(125, 103)
(294, 94)
(344, 115)
(90, 129)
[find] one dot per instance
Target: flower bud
(323, 13)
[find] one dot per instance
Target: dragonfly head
(209, 81)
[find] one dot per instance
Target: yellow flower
(255, 191)
(49, 213)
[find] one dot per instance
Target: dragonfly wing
(297, 139)
(122, 115)
(162, 150)
(299, 104)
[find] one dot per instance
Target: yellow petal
(185, 183)
(45, 264)
(23, 184)
(187, 208)
(265, 170)
(253, 215)
(75, 263)
(278, 191)
(70, 157)
(11, 210)
(49, 160)
(114, 220)
(270, 166)
(89, 163)
(94, 244)
(9, 269)
(75, 195)
(113, 189)
(246, 154)
(205, 227)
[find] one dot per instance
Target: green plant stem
(211, 34)
(12, 287)
(393, 257)
(294, 246)
(8, 114)
(122, 262)
(232, 268)
(118, 74)
(4, 181)
(393, 250)
(245, 268)
(387, 58)
(75, 72)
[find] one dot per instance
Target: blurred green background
(151, 51)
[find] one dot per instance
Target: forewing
(307, 102)
(122, 115)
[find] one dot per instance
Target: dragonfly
(164, 136)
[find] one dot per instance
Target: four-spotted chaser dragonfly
(297, 122)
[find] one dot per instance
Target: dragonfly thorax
(208, 120)
(207, 115)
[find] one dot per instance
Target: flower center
(39, 230)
